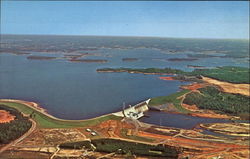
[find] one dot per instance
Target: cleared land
(5, 116)
(234, 129)
(242, 89)
(127, 133)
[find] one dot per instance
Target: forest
(14, 129)
(212, 98)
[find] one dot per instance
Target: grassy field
(44, 121)
(173, 98)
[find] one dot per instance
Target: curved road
(13, 143)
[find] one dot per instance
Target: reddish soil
(203, 113)
(112, 128)
(199, 148)
(210, 115)
(190, 107)
(6, 117)
(167, 78)
(194, 86)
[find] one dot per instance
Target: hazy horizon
(132, 36)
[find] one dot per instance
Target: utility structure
(136, 111)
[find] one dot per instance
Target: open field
(242, 89)
(234, 129)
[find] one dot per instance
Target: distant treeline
(146, 70)
(52, 43)
(124, 147)
(211, 98)
(15, 128)
(226, 73)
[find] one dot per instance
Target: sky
(189, 19)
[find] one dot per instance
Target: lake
(74, 90)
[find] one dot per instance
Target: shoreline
(136, 72)
(35, 106)
(178, 139)
(41, 110)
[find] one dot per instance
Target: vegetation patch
(89, 60)
(226, 73)
(173, 98)
(182, 59)
(15, 128)
(40, 58)
(130, 59)
(146, 70)
(125, 147)
(211, 98)
(76, 145)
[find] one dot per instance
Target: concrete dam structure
(134, 112)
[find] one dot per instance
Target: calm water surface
(177, 120)
(76, 91)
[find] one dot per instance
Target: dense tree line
(226, 73)
(15, 128)
(143, 70)
(115, 145)
(211, 98)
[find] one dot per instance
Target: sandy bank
(243, 89)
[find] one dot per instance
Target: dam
(134, 112)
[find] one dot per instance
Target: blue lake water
(71, 90)
(75, 90)
(177, 120)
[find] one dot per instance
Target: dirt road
(13, 143)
